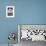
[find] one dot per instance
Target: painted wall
(27, 12)
(7, 25)
(31, 11)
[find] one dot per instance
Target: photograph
(10, 11)
(28, 33)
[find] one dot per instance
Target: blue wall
(27, 12)
(7, 25)
(31, 11)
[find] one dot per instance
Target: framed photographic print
(33, 32)
(10, 11)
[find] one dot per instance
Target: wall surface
(7, 25)
(27, 12)
(31, 11)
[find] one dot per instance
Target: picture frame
(10, 11)
(39, 35)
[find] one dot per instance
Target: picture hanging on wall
(10, 11)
